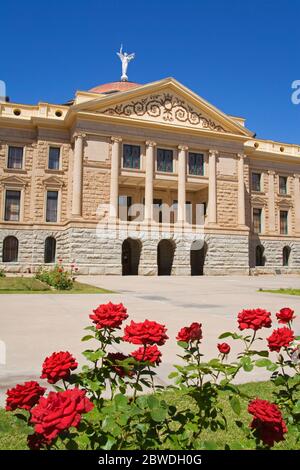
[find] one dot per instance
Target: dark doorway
(165, 257)
(50, 250)
(286, 256)
(131, 252)
(259, 256)
(197, 257)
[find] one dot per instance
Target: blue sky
(240, 56)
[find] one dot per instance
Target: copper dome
(114, 87)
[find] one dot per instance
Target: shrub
(76, 414)
(57, 277)
(2, 273)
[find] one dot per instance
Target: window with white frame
(15, 157)
(12, 205)
(52, 206)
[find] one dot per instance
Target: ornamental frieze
(166, 107)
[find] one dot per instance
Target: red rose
(109, 315)
(285, 315)
(190, 333)
(224, 348)
(114, 359)
(149, 354)
(254, 319)
(146, 332)
(37, 441)
(280, 338)
(24, 396)
(59, 411)
(267, 422)
(58, 366)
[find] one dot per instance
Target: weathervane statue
(125, 59)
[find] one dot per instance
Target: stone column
(150, 149)
(181, 212)
(297, 203)
(114, 177)
(241, 191)
(77, 175)
(271, 201)
(212, 187)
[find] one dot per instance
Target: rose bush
(99, 407)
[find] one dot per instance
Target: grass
(30, 285)
(13, 433)
(282, 291)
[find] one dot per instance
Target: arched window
(259, 256)
(286, 255)
(50, 249)
(10, 249)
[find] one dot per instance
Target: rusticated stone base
(101, 253)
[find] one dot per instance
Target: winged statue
(125, 59)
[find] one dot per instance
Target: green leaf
(225, 335)
(209, 445)
(183, 344)
(109, 443)
(263, 362)
(246, 363)
(87, 338)
(235, 404)
(296, 408)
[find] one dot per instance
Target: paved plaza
(33, 326)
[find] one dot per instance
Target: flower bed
(76, 413)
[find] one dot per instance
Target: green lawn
(30, 285)
(13, 433)
(282, 291)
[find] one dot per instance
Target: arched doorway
(165, 257)
(286, 256)
(131, 252)
(197, 257)
(259, 256)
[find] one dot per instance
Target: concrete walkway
(33, 326)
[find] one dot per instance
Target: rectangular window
(54, 156)
(125, 202)
(51, 208)
(196, 166)
(282, 185)
(257, 220)
(256, 182)
(165, 160)
(15, 158)
(284, 222)
(131, 156)
(12, 205)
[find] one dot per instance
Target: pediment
(13, 181)
(53, 181)
(258, 200)
(284, 202)
(166, 102)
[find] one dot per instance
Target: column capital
(213, 152)
(184, 148)
(116, 138)
(150, 143)
(271, 172)
(79, 135)
(296, 175)
(241, 156)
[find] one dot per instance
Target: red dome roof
(113, 87)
